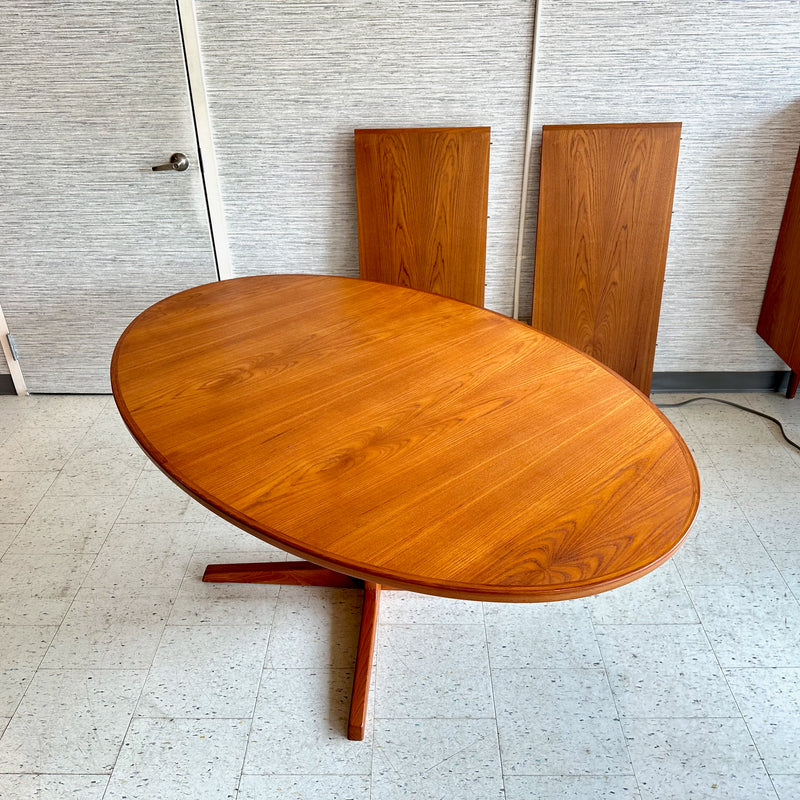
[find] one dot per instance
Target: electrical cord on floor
(735, 405)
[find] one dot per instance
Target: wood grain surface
(357, 720)
(779, 323)
(422, 205)
(605, 202)
(405, 438)
(285, 573)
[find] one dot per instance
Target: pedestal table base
(303, 573)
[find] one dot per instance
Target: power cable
(735, 405)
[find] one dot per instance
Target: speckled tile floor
(122, 675)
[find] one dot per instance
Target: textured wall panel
(730, 72)
(93, 94)
(289, 81)
(88, 83)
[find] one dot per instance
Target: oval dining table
(397, 439)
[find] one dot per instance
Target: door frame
(190, 42)
(187, 21)
(13, 365)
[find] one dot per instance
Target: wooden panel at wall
(779, 324)
(605, 201)
(422, 201)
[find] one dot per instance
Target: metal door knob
(177, 161)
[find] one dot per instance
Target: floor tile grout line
(72, 601)
(259, 683)
(135, 705)
(494, 697)
(373, 698)
(60, 774)
(372, 689)
(614, 700)
(700, 434)
(133, 716)
(765, 549)
(730, 689)
(184, 578)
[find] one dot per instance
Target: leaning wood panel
(422, 206)
(779, 323)
(605, 202)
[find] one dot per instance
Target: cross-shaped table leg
(303, 573)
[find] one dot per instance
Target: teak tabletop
(404, 439)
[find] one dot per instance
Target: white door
(94, 95)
